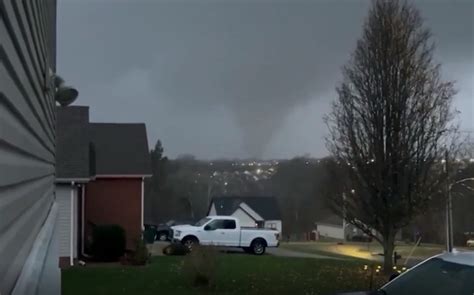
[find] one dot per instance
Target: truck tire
(258, 246)
(190, 242)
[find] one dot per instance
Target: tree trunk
(388, 248)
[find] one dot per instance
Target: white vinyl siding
(331, 231)
(27, 133)
(244, 219)
(63, 197)
(212, 212)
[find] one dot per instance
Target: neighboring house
(333, 226)
(28, 213)
(103, 167)
(251, 211)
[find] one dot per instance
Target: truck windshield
(202, 221)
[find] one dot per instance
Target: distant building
(333, 226)
(260, 212)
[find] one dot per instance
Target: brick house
(100, 174)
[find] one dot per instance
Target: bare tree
(391, 123)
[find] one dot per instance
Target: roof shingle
(86, 149)
(265, 206)
(120, 149)
(72, 142)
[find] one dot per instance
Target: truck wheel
(258, 247)
(190, 243)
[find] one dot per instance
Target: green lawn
(236, 274)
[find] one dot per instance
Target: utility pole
(449, 201)
(449, 208)
(449, 211)
(344, 216)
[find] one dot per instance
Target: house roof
(265, 206)
(72, 143)
(120, 149)
(86, 149)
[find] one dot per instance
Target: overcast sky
(233, 78)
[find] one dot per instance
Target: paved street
(157, 248)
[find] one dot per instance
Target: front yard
(236, 274)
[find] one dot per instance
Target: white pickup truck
(225, 231)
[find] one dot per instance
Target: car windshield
(434, 277)
(202, 221)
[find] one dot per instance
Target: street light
(449, 215)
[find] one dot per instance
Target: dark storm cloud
(259, 61)
(230, 78)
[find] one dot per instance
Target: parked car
(163, 230)
(225, 231)
(449, 273)
(470, 242)
(150, 233)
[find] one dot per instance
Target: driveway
(156, 249)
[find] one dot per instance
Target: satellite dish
(65, 95)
